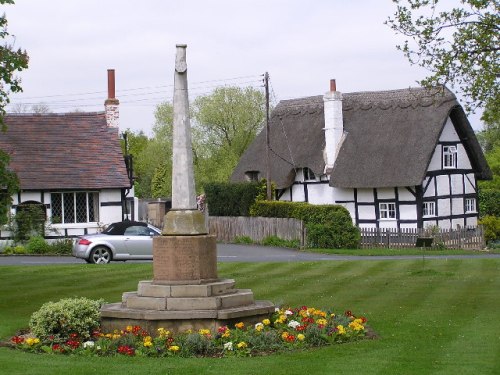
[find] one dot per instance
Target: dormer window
(449, 157)
(252, 175)
(309, 174)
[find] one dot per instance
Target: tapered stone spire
(184, 218)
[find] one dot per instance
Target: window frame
(450, 156)
(470, 205)
(385, 213)
(429, 209)
(308, 174)
(71, 215)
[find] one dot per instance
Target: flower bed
(288, 329)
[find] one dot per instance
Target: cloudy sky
(302, 44)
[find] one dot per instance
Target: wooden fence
(464, 238)
(227, 228)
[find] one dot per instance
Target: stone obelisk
(185, 253)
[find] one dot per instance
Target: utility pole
(268, 161)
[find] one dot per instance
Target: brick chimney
(111, 104)
(334, 125)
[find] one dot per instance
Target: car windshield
(126, 227)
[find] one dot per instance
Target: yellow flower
(259, 327)
(301, 337)
(32, 341)
(332, 315)
(204, 332)
(340, 330)
(163, 332)
(242, 345)
(240, 325)
(227, 333)
(284, 335)
(173, 348)
(356, 325)
(115, 336)
(321, 321)
(129, 328)
(266, 322)
(147, 341)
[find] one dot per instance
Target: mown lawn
(432, 316)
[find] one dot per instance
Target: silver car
(125, 240)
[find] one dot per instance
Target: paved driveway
(241, 253)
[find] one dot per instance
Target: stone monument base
(178, 308)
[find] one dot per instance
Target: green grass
(409, 251)
(433, 316)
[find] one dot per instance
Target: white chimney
(334, 125)
(111, 104)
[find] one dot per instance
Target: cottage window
(387, 210)
(470, 205)
(309, 174)
(252, 175)
(449, 156)
(75, 207)
(429, 209)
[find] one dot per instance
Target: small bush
(491, 226)
(15, 250)
(62, 246)
(58, 320)
(37, 245)
(489, 202)
(279, 242)
(332, 236)
(231, 199)
(243, 240)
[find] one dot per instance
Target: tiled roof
(64, 151)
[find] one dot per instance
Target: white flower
(88, 344)
(293, 324)
(259, 326)
(228, 345)
(288, 312)
(276, 309)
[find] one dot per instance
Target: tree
(39, 108)
(11, 61)
(460, 46)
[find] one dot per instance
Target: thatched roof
(64, 151)
(391, 136)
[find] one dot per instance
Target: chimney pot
(111, 84)
(333, 85)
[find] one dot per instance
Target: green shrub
(491, 226)
(55, 321)
(328, 226)
(231, 199)
(37, 245)
(61, 246)
(332, 236)
(489, 202)
(279, 242)
(243, 240)
(15, 250)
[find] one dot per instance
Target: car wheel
(100, 255)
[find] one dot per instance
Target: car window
(137, 231)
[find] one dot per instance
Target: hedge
(231, 199)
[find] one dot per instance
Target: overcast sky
(302, 44)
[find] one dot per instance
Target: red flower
(348, 313)
(73, 335)
(363, 319)
(301, 328)
(73, 344)
(126, 350)
(222, 329)
(17, 340)
(290, 338)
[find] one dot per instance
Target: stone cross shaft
(183, 188)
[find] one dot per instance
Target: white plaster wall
(365, 195)
(352, 211)
(443, 207)
(407, 212)
(366, 212)
(445, 224)
(320, 194)
(30, 196)
(430, 192)
(463, 161)
(110, 195)
(470, 184)
(405, 195)
(341, 194)
(457, 223)
(298, 193)
(449, 133)
(443, 185)
(458, 206)
(386, 193)
(457, 185)
(407, 226)
(388, 224)
(286, 195)
(471, 222)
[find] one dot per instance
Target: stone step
(220, 287)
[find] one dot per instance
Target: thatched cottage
(395, 159)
